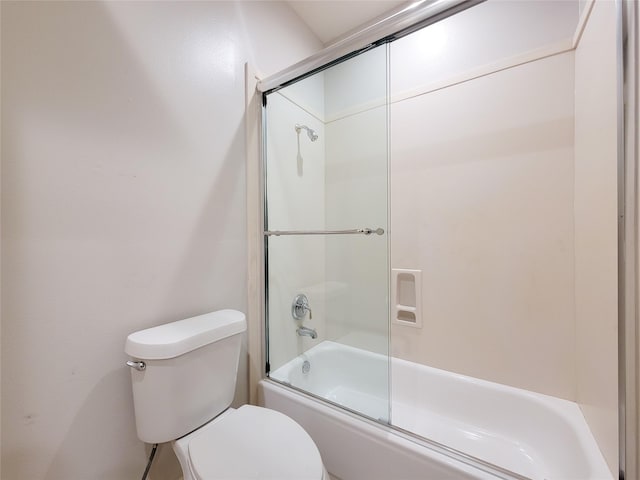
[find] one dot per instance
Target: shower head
(313, 136)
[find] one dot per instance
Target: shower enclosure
(440, 236)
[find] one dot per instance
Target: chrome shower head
(313, 136)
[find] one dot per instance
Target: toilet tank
(189, 376)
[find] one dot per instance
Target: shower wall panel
(482, 192)
(482, 203)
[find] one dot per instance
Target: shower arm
(313, 136)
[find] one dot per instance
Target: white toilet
(184, 379)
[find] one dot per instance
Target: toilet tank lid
(176, 338)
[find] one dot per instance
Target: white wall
(123, 207)
(596, 267)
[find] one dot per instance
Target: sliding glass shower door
(326, 234)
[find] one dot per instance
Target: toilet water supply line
(151, 455)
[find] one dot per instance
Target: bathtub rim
(385, 428)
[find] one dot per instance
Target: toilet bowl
(249, 443)
(183, 376)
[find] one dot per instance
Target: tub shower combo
(422, 248)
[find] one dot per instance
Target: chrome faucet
(307, 332)
(299, 309)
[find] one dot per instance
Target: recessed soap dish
(406, 292)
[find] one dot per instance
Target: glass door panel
(326, 234)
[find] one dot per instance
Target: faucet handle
(300, 306)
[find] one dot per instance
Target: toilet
(184, 379)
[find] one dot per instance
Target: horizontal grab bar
(355, 231)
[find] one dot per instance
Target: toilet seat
(254, 443)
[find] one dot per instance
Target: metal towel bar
(355, 231)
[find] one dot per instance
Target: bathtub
(511, 430)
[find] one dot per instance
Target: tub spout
(307, 332)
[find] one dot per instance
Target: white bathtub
(532, 435)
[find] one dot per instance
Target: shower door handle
(354, 231)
